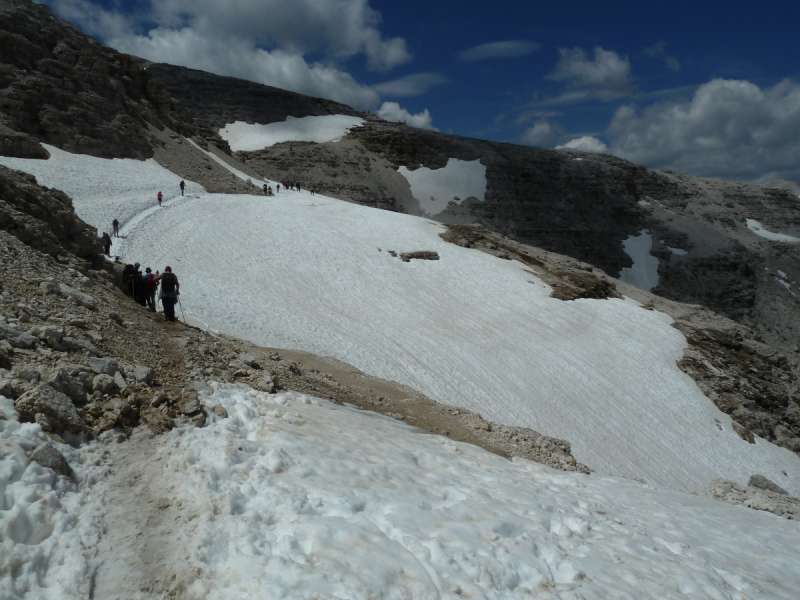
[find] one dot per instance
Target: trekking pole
(181, 305)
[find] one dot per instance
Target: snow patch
(678, 251)
(296, 497)
(644, 272)
(456, 182)
(756, 228)
(253, 136)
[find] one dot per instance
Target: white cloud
(604, 78)
(239, 58)
(391, 111)
(587, 143)
(728, 129)
(507, 49)
(267, 41)
(542, 133)
(410, 85)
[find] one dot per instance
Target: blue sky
(707, 87)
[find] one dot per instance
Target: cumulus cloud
(606, 77)
(267, 41)
(729, 128)
(586, 143)
(542, 133)
(239, 58)
(659, 50)
(410, 85)
(507, 49)
(391, 111)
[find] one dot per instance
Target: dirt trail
(139, 550)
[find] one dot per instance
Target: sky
(711, 88)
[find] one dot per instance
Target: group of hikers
(143, 288)
(287, 185)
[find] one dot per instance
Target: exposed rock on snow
(55, 406)
(755, 497)
(49, 457)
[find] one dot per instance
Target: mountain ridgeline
(61, 87)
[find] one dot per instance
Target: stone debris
(49, 457)
(55, 406)
(755, 497)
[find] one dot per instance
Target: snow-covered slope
(294, 497)
(313, 273)
(255, 136)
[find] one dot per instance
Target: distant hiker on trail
(170, 290)
(266, 190)
(269, 191)
(183, 185)
(150, 287)
(115, 225)
(278, 187)
(106, 244)
(160, 196)
(297, 185)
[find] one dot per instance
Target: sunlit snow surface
(313, 273)
(756, 228)
(254, 136)
(644, 271)
(455, 182)
(293, 497)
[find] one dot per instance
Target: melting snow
(455, 182)
(253, 136)
(756, 228)
(644, 272)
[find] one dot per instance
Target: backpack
(168, 283)
(151, 284)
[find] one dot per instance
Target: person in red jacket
(159, 198)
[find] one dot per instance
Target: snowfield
(254, 136)
(294, 497)
(455, 182)
(314, 273)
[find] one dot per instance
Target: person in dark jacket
(170, 290)
(115, 226)
(106, 243)
(183, 185)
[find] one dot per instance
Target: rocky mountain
(60, 87)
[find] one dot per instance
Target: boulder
(62, 382)
(106, 365)
(27, 374)
(49, 457)
(120, 381)
(221, 411)
(192, 407)
(17, 338)
(761, 482)
(57, 407)
(79, 345)
(76, 296)
(248, 359)
(104, 384)
(159, 399)
(143, 374)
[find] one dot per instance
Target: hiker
(269, 191)
(128, 272)
(115, 226)
(159, 198)
(183, 185)
(106, 243)
(150, 287)
(138, 286)
(266, 190)
(278, 187)
(297, 185)
(170, 290)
